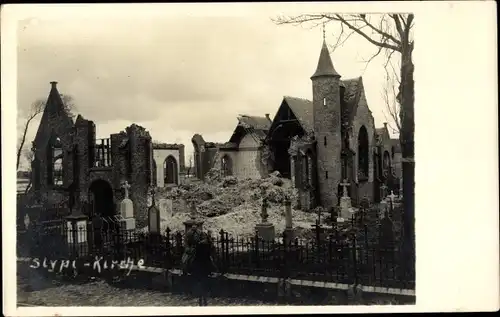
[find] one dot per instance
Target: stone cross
(263, 213)
(152, 191)
(126, 186)
(344, 185)
(392, 196)
(192, 214)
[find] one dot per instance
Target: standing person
(202, 266)
(192, 237)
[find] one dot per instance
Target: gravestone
(76, 225)
(265, 229)
(127, 220)
(154, 222)
(383, 209)
(183, 206)
(166, 212)
(346, 209)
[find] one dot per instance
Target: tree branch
(368, 38)
(397, 21)
(23, 139)
(371, 58)
(303, 18)
(380, 31)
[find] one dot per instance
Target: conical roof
(325, 65)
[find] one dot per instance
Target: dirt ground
(100, 293)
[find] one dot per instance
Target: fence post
(354, 255)
(367, 250)
(178, 245)
(226, 236)
(167, 249)
(284, 259)
(222, 253)
(257, 259)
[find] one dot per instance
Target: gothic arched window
(363, 153)
(170, 170)
(386, 163)
(55, 162)
(227, 166)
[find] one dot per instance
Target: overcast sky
(180, 75)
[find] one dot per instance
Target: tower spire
(325, 65)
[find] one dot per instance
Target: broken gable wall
(53, 124)
(246, 162)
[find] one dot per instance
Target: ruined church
(318, 144)
(87, 174)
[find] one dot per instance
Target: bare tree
(35, 109)
(392, 106)
(391, 33)
(190, 165)
(29, 155)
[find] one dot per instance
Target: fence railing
(352, 258)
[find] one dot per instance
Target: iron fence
(335, 256)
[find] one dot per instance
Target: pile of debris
(233, 204)
(221, 195)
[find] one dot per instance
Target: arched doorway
(170, 170)
(363, 154)
(101, 209)
(227, 166)
(101, 199)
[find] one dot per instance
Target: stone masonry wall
(140, 145)
(81, 140)
(327, 124)
(244, 164)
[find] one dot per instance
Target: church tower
(327, 128)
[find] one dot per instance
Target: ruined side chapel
(70, 163)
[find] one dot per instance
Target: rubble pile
(221, 195)
(233, 204)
